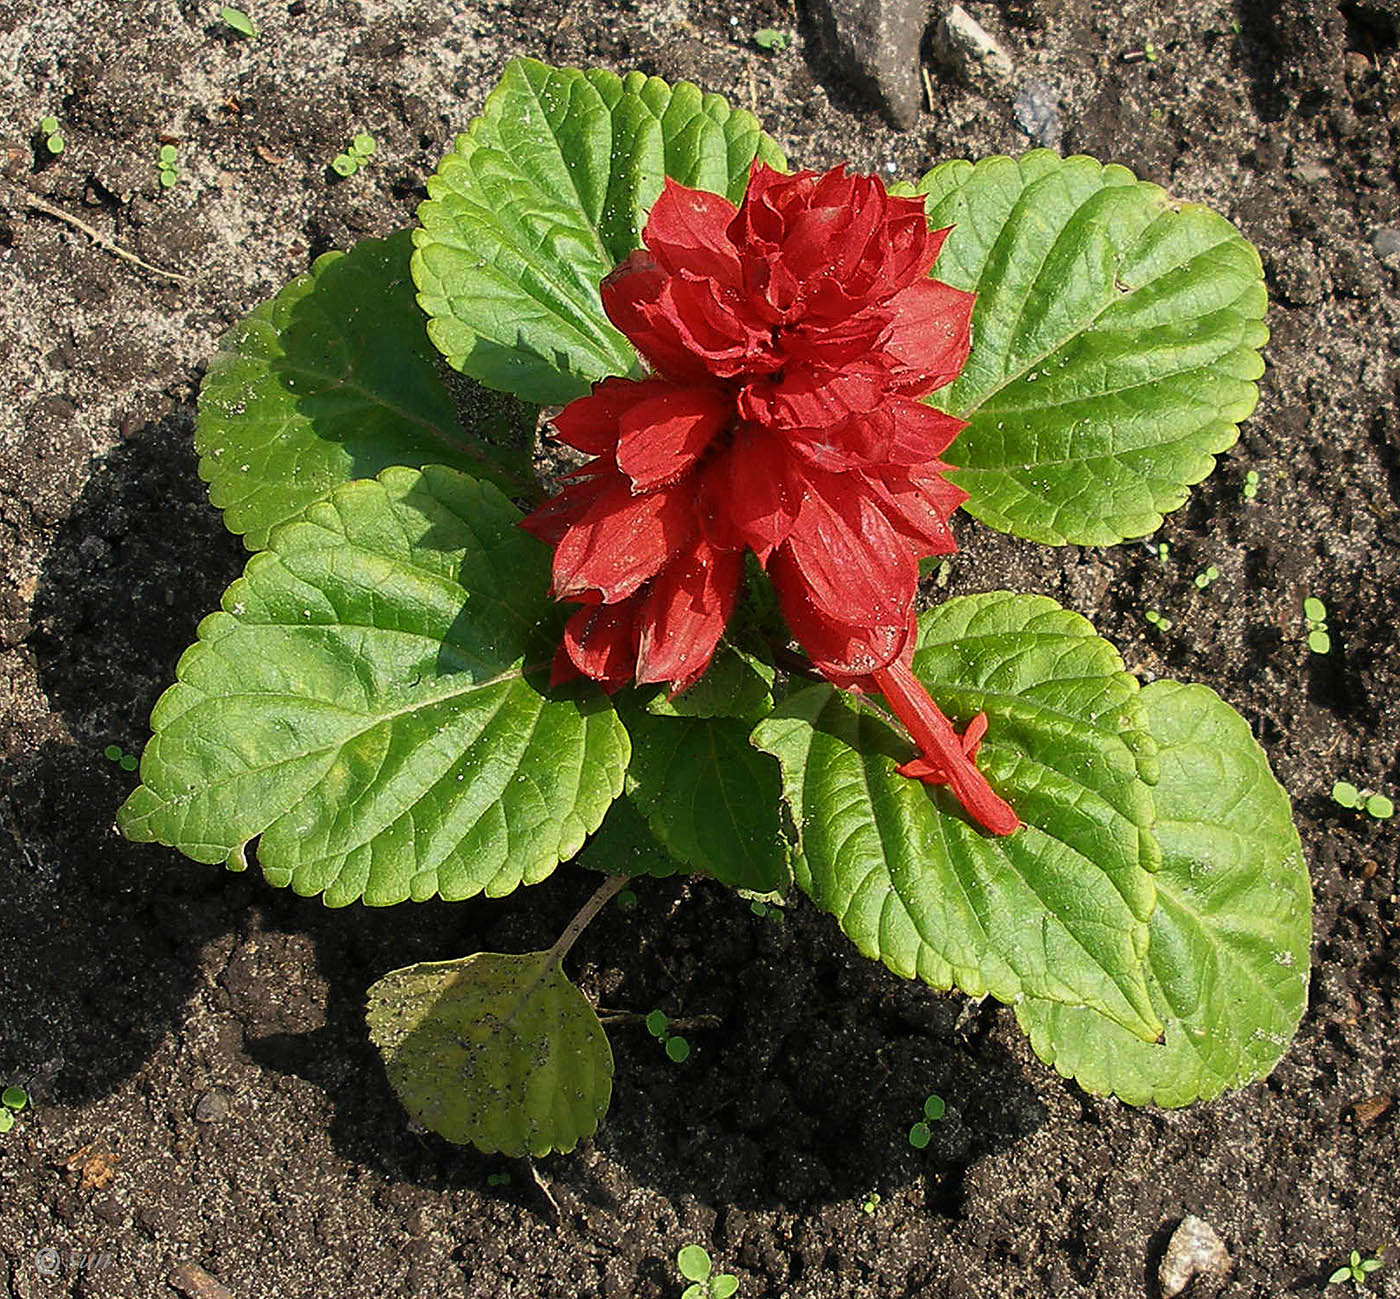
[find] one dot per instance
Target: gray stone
(212, 1107)
(1386, 245)
(875, 44)
(1193, 1250)
(968, 49)
(1037, 110)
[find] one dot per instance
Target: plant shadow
(809, 1063)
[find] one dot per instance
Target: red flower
(789, 343)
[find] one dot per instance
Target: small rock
(971, 51)
(212, 1107)
(1312, 172)
(1193, 1250)
(1038, 115)
(1386, 244)
(875, 43)
(194, 1282)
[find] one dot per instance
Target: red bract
(789, 343)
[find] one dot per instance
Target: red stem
(941, 744)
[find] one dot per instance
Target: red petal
(688, 229)
(631, 296)
(719, 332)
(684, 615)
(919, 509)
(930, 335)
(855, 567)
(665, 433)
(922, 434)
(843, 653)
(552, 520)
(591, 423)
(943, 758)
(600, 640)
(622, 540)
(749, 496)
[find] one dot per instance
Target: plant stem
(602, 895)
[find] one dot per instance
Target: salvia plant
(695, 648)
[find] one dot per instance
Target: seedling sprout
(772, 39)
(694, 1264)
(52, 137)
(239, 22)
(358, 152)
(1251, 485)
(1206, 576)
(165, 161)
(1315, 612)
(1375, 805)
(1356, 1269)
(1157, 620)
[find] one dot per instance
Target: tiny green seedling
(12, 1101)
(676, 1047)
(238, 21)
(870, 1203)
(935, 1109)
(1315, 613)
(1149, 51)
(497, 1179)
(625, 900)
(53, 139)
(693, 1263)
(126, 761)
(166, 162)
(1375, 805)
(772, 39)
(1356, 1269)
(358, 152)
(1251, 485)
(1205, 577)
(1157, 620)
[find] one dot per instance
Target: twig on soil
(546, 1192)
(634, 1017)
(38, 204)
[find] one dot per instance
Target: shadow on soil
(803, 1092)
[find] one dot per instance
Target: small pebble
(970, 50)
(1193, 1250)
(212, 1107)
(1386, 244)
(1038, 115)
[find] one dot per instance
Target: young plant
(166, 164)
(1375, 805)
(357, 153)
(1356, 1269)
(693, 1263)
(700, 652)
(51, 137)
(237, 21)
(1315, 615)
(12, 1101)
(772, 39)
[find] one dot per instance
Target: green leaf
(1115, 343)
(694, 1263)
(625, 845)
(334, 379)
(1228, 958)
(239, 21)
(724, 1286)
(1059, 908)
(546, 192)
(1341, 1274)
(369, 702)
(737, 683)
(710, 798)
(499, 1051)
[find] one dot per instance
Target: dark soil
(193, 1040)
